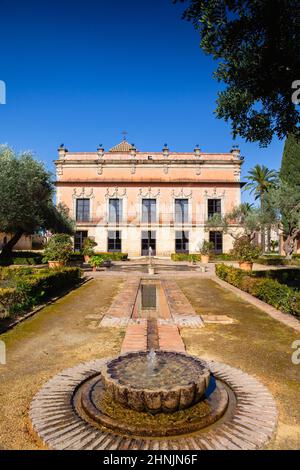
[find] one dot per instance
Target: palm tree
(261, 179)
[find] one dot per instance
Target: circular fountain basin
(165, 382)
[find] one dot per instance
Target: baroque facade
(131, 200)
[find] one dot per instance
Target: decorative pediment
(149, 193)
(116, 193)
(214, 193)
(83, 193)
(182, 193)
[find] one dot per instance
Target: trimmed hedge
(185, 257)
(22, 257)
(270, 291)
(289, 277)
(33, 286)
(112, 256)
(197, 257)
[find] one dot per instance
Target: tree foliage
(285, 203)
(242, 220)
(256, 43)
(26, 192)
(290, 164)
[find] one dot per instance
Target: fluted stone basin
(160, 382)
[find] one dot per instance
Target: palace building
(130, 200)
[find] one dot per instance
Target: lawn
(59, 336)
(256, 343)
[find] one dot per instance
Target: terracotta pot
(87, 258)
(246, 265)
(55, 264)
(204, 259)
(94, 268)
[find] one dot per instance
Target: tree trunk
(263, 231)
(288, 246)
(269, 239)
(7, 249)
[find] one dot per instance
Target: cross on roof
(125, 133)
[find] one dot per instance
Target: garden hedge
(26, 287)
(269, 290)
(117, 256)
(197, 257)
(22, 257)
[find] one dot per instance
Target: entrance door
(148, 239)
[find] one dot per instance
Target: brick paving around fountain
(249, 427)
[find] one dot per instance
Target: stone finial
(62, 151)
(100, 151)
(197, 151)
(235, 151)
(133, 150)
(166, 150)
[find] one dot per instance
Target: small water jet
(151, 270)
(151, 361)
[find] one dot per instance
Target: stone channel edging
(251, 426)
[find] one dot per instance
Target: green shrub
(222, 257)
(117, 256)
(290, 276)
(96, 261)
(59, 248)
(274, 260)
(88, 246)
(206, 247)
(244, 251)
(185, 257)
(32, 286)
(22, 257)
(270, 291)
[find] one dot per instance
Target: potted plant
(88, 248)
(58, 250)
(245, 252)
(96, 261)
(205, 251)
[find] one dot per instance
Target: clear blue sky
(81, 72)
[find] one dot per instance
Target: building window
(79, 238)
(149, 211)
(213, 207)
(148, 241)
(115, 211)
(82, 210)
(114, 243)
(217, 239)
(182, 241)
(181, 211)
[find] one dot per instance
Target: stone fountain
(156, 393)
(153, 400)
